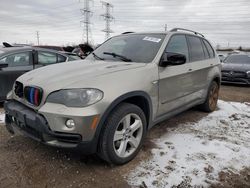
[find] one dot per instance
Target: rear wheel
(124, 132)
(212, 98)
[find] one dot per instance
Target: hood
(59, 76)
(235, 67)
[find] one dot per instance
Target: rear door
(18, 63)
(200, 59)
(175, 81)
(44, 58)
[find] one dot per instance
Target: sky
(223, 22)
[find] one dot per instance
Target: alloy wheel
(128, 135)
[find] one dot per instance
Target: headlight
(248, 74)
(76, 97)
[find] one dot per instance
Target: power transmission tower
(108, 18)
(87, 13)
(37, 37)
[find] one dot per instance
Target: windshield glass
(239, 59)
(135, 47)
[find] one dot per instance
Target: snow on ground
(2, 116)
(194, 153)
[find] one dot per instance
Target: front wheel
(123, 134)
(212, 98)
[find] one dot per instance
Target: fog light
(70, 123)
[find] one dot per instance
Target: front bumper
(29, 122)
(235, 80)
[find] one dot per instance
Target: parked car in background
(57, 48)
(15, 61)
(107, 104)
(236, 69)
(221, 57)
(71, 56)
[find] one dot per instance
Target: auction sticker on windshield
(152, 39)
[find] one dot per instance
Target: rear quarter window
(210, 49)
(61, 58)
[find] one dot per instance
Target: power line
(108, 18)
(86, 19)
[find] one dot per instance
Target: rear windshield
(239, 59)
(136, 47)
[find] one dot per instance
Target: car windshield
(131, 48)
(239, 59)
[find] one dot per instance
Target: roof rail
(181, 29)
(127, 32)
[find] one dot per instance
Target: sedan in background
(15, 61)
(236, 69)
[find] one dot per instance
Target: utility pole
(37, 37)
(108, 18)
(166, 27)
(86, 13)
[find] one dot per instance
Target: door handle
(190, 70)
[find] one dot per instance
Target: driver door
(175, 81)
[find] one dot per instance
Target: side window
(205, 51)
(178, 44)
(46, 57)
(196, 50)
(61, 58)
(18, 59)
(209, 48)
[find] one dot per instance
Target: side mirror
(3, 66)
(169, 58)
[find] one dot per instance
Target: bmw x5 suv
(107, 104)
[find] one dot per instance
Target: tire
(212, 97)
(124, 128)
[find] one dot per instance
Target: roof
(17, 49)
(175, 30)
(9, 49)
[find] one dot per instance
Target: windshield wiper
(97, 57)
(121, 57)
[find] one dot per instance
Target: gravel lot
(26, 163)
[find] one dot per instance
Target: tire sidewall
(113, 126)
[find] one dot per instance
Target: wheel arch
(217, 79)
(139, 98)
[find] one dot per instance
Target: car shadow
(235, 85)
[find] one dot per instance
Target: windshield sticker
(152, 39)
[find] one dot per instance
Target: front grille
(18, 89)
(236, 74)
(33, 95)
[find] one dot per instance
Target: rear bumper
(29, 122)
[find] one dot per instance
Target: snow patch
(2, 117)
(194, 153)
